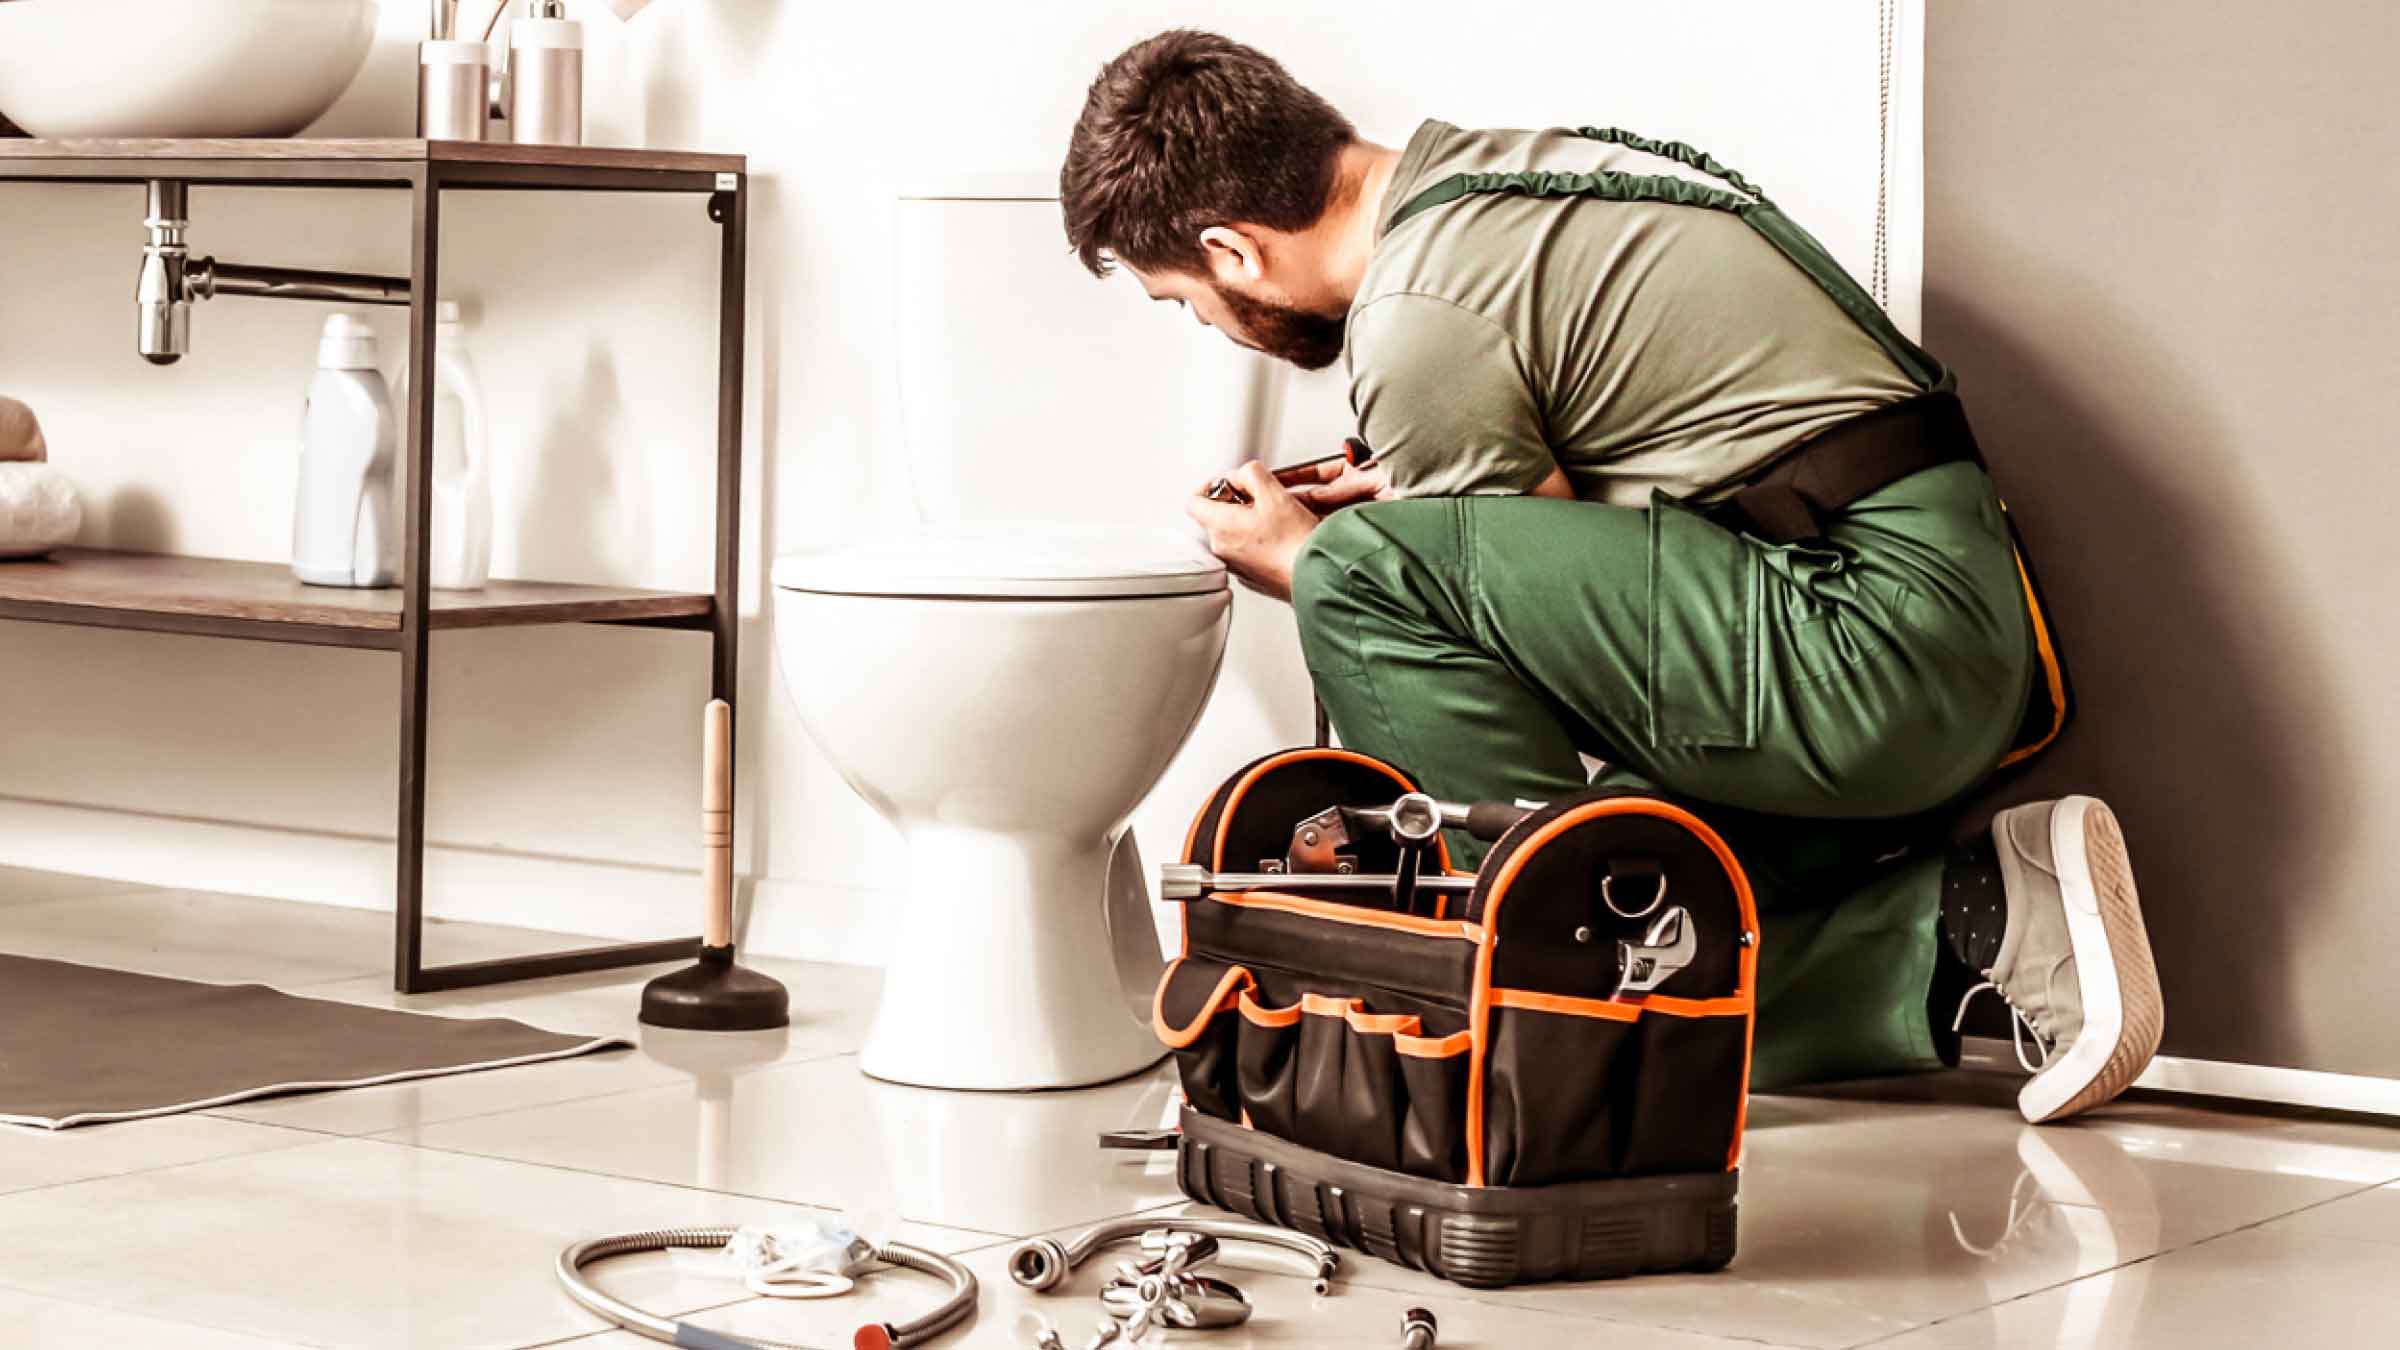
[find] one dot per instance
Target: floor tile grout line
(9, 1194)
(646, 1181)
(2143, 1260)
(506, 1110)
(144, 1314)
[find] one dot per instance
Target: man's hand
(1339, 485)
(1259, 539)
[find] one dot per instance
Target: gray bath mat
(80, 1045)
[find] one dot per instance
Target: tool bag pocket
(1371, 1087)
(1194, 1016)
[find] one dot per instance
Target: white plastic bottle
(344, 528)
(461, 558)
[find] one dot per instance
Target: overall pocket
(1560, 1078)
(1194, 1016)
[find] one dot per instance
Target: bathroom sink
(178, 67)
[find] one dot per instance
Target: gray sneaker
(2074, 963)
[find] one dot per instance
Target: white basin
(178, 67)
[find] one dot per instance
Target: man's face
(1275, 327)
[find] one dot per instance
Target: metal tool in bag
(1413, 822)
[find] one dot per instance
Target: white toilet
(1006, 681)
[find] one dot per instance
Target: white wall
(564, 758)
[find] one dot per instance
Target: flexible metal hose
(874, 1336)
(1040, 1263)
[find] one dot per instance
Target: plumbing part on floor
(956, 1307)
(1165, 1291)
(346, 521)
(1417, 1329)
(1042, 1263)
(1544, 1053)
(715, 993)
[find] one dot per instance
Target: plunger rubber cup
(714, 994)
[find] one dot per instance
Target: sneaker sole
(2124, 1012)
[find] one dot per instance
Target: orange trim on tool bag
(1622, 1009)
(1434, 1047)
(1480, 1011)
(1607, 1009)
(1335, 911)
(1354, 1012)
(1258, 1014)
(1235, 981)
(1234, 799)
(2052, 675)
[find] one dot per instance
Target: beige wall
(563, 760)
(2160, 252)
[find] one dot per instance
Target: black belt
(1803, 492)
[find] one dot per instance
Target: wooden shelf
(387, 161)
(227, 598)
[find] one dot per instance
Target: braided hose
(1040, 1263)
(874, 1336)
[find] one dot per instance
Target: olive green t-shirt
(1636, 345)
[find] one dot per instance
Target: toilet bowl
(1004, 695)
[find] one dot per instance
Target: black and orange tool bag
(1534, 1071)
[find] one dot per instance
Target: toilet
(1007, 678)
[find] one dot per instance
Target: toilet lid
(1031, 561)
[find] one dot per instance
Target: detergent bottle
(345, 530)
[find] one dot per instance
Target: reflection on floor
(1914, 1213)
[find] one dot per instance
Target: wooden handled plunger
(714, 994)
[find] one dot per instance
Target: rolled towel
(38, 510)
(20, 433)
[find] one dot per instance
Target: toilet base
(1003, 977)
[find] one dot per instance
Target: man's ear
(1232, 254)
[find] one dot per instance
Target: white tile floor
(1915, 1214)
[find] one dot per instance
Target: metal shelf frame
(426, 171)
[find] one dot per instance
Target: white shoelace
(2018, 1025)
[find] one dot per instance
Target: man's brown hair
(1190, 130)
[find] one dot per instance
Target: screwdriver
(1353, 453)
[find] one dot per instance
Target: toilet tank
(1031, 391)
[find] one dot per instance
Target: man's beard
(1286, 332)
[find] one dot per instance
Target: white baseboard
(794, 917)
(2241, 1082)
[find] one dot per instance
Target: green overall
(1832, 698)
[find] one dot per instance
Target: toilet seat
(1029, 561)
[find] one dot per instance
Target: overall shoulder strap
(1739, 198)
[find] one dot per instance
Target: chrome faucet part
(1042, 1263)
(166, 311)
(1417, 1329)
(171, 279)
(1189, 881)
(1182, 1303)
(1665, 949)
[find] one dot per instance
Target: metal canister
(546, 77)
(453, 90)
